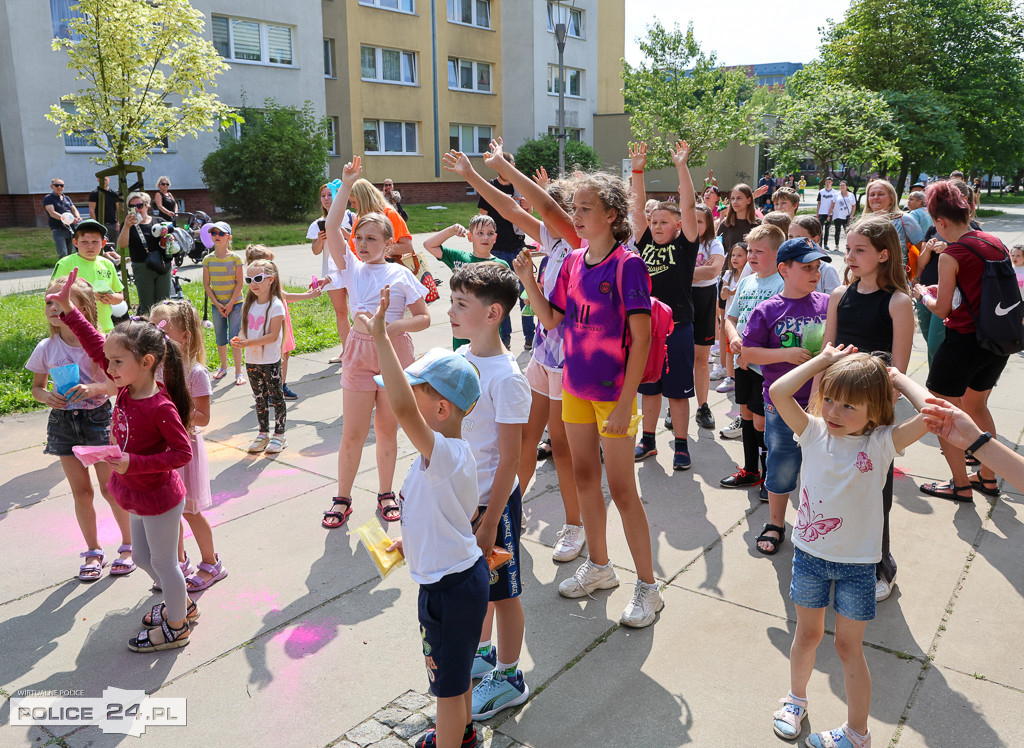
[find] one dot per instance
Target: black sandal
(391, 512)
(173, 639)
(776, 542)
(982, 484)
(971, 461)
(948, 491)
(340, 516)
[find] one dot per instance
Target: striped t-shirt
(222, 274)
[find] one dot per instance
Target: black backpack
(999, 323)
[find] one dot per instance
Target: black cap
(90, 225)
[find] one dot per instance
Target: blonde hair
(881, 234)
(858, 379)
(894, 207)
(368, 198)
(383, 223)
(766, 232)
(185, 318)
(257, 252)
(141, 195)
(778, 218)
(163, 179)
(82, 296)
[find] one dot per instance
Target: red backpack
(661, 327)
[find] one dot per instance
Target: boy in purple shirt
(782, 333)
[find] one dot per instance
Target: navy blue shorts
(506, 582)
(451, 613)
(676, 381)
(73, 428)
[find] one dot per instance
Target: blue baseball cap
(454, 377)
(802, 250)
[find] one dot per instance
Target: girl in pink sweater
(150, 425)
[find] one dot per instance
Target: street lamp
(560, 41)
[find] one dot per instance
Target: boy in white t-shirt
(826, 201)
(430, 400)
(483, 294)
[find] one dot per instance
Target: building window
(329, 59)
(466, 75)
(405, 6)
(332, 134)
(252, 41)
(573, 81)
(571, 133)
(573, 20)
(383, 136)
(60, 13)
(472, 139)
(388, 65)
(470, 12)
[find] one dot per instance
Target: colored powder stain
(307, 639)
(899, 474)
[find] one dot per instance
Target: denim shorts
(812, 585)
(784, 456)
(228, 327)
(77, 428)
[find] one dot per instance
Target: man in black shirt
(110, 201)
(56, 204)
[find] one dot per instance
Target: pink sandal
(196, 583)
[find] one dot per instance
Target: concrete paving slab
(954, 709)
(640, 684)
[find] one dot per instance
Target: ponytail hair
(947, 200)
(176, 382)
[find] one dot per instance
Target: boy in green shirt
(89, 238)
(482, 234)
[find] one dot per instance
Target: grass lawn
(26, 249)
(422, 219)
(990, 212)
(22, 326)
(997, 198)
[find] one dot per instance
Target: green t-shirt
(456, 258)
(103, 277)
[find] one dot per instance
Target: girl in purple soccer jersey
(600, 377)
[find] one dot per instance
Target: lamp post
(560, 41)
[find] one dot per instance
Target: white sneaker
(734, 430)
(588, 577)
(714, 350)
(718, 373)
(726, 385)
(641, 610)
(570, 543)
(883, 589)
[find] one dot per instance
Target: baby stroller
(187, 237)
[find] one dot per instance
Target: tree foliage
(543, 151)
(847, 130)
(679, 92)
(274, 169)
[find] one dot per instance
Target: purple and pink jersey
(595, 325)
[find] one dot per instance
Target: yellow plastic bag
(376, 541)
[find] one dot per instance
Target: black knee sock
(750, 446)
(762, 451)
(647, 437)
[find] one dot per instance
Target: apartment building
(402, 82)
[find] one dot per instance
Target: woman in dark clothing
(137, 235)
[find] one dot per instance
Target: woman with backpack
(964, 369)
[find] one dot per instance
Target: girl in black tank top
(874, 312)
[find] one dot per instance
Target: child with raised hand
(555, 238)
(79, 417)
(873, 312)
(364, 272)
(669, 244)
(600, 380)
(150, 425)
(439, 496)
(222, 282)
(331, 280)
(482, 233)
(780, 335)
(848, 438)
(180, 322)
(262, 337)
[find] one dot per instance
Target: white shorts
(544, 380)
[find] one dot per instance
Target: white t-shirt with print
(258, 321)
(843, 206)
(708, 250)
(364, 282)
(505, 397)
(827, 198)
(53, 352)
(840, 514)
(437, 502)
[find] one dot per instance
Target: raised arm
(507, 207)
(786, 386)
(433, 243)
(913, 429)
(687, 206)
(638, 161)
(336, 243)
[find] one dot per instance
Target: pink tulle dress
(196, 474)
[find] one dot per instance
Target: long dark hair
(141, 337)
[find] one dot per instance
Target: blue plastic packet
(335, 185)
(64, 378)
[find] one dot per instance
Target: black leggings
(887, 566)
(265, 380)
(839, 224)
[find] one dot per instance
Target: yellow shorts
(576, 410)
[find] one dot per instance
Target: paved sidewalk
(304, 645)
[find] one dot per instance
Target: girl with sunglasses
(137, 235)
(222, 281)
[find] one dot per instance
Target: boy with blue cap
(781, 333)
(437, 500)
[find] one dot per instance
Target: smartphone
(321, 224)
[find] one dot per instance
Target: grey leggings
(155, 549)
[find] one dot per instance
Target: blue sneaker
(497, 692)
(681, 459)
(483, 664)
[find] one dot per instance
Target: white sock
(598, 566)
(484, 647)
(503, 667)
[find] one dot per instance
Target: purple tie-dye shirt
(595, 320)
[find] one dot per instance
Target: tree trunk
(904, 170)
(122, 185)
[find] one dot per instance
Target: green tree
(847, 130)
(543, 151)
(146, 69)
(679, 92)
(274, 169)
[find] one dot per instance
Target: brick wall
(434, 192)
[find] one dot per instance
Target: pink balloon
(204, 235)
